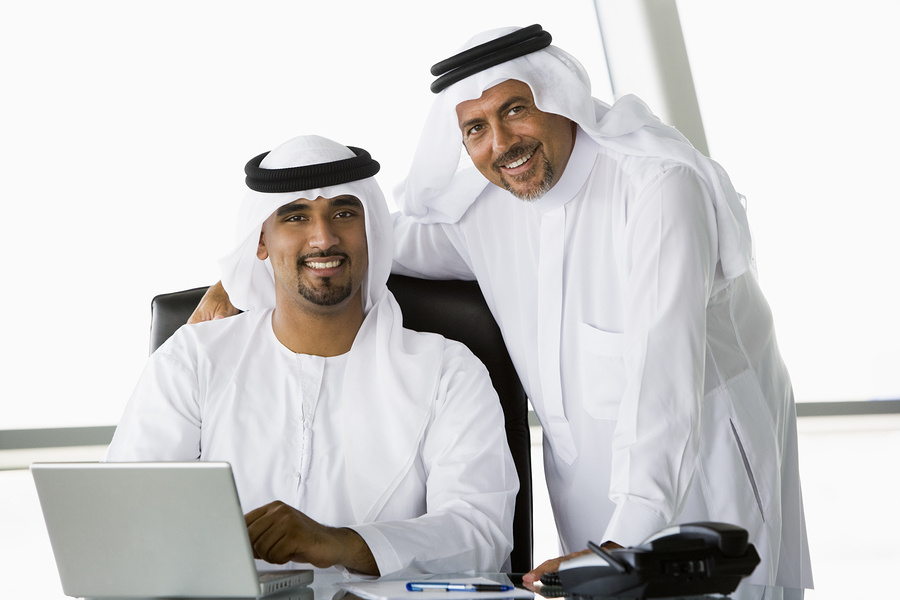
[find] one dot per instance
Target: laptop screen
(146, 529)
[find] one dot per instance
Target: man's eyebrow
(346, 201)
(291, 208)
(302, 207)
(503, 108)
(469, 123)
(514, 100)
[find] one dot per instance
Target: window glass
(799, 104)
(126, 127)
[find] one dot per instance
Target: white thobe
(658, 382)
(228, 390)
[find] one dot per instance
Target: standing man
(617, 261)
(355, 443)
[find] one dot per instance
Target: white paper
(396, 590)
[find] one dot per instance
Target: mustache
(515, 153)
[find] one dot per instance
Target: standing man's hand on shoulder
(215, 304)
(280, 533)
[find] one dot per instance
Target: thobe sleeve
(669, 262)
(161, 421)
(429, 251)
(471, 483)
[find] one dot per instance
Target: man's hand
(549, 566)
(280, 533)
(213, 305)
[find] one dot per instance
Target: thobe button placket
(312, 369)
(305, 452)
(550, 293)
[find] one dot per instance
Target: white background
(126, 125)
(125, 130)
(799, 100)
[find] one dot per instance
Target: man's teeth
(519, 162)
(324, 265)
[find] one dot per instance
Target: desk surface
(325, 587)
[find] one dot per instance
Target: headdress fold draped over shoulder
(442, 184)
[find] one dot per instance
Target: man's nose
(323, 236)
(504, 138)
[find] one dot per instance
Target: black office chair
(456, 310)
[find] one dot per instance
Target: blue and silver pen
(435, 586)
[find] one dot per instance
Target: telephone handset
(688, 559)
(730, 539)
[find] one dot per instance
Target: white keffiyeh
(440, 186)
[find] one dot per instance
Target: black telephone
(685, 560)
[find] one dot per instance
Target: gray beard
(546, 184)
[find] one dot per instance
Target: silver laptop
(132, 530)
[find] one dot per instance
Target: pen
(421, 586)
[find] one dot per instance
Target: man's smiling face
(512, 143)
(318, 250)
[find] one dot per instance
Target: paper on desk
(396, 590)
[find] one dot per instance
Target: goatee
(534, 193)
(327, 293)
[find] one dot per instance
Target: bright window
(125, 129)
(799, 102)
(138, 117)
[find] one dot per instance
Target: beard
(533, 192)
(327, 293)
(530, 195)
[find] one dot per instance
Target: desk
(325, 587)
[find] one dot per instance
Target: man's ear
(262, 253)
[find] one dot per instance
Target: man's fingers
(549, 566)
(610, 545)
(282, 550)
(209, 312)
(272, 532)
(255, 514)
(259, 520)
(215, 304)
(280, 533)
(273, 546)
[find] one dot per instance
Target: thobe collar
(576, 173)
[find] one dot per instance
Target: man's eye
(516, 109)
(343, 214)
(474, 129)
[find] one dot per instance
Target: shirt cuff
(385, 556)
(631, 524)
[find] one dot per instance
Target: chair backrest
(456, 310)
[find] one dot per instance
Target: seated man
(355, 443)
